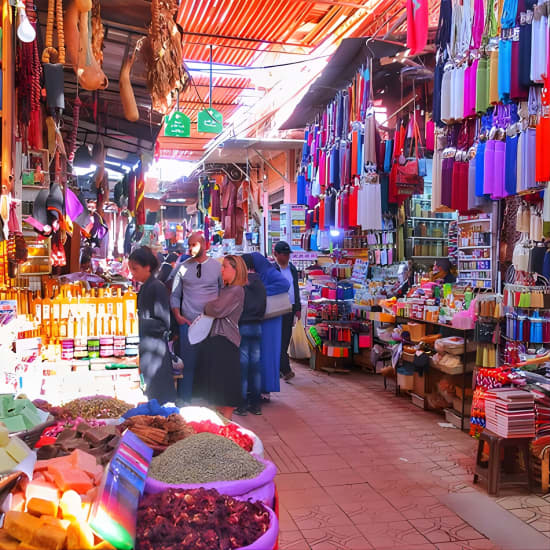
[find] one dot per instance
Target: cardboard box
(419, 384)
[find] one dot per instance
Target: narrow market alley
(360, 469)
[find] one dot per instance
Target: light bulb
(25, 31)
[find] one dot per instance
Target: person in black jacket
(281, 253)
(166, 268)
(250, 327)
(153, 305)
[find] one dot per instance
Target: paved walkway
(361, 469)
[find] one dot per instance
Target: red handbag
(412, 169)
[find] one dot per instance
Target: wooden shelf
(429, 238)
(433, 219)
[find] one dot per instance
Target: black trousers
(288, 322)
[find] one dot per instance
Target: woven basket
(31, 437)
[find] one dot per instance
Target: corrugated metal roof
(240, 30)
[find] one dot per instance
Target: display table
(467, 365)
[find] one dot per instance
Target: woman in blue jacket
(275, 283)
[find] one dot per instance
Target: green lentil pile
(204, 458)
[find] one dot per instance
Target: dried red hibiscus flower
(198, 519)
(231, 431)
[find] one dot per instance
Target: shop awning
(350, 55)
(243, 149)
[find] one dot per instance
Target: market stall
(101, 475)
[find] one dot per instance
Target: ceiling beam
(136, 131)
(342, 3)
(235, 47)
(244, 39)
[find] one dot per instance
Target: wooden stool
(498, 447)
(545, 469)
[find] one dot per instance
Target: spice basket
(269, 540)
(31, 437)
(430, 338)
(236, 488)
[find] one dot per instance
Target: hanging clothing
(436, 173)
(447, 181)
(446, 96)
(518, 90)
(443, 36)
(369, 148)
(480, 168)
(470, 89)
(369, 206)
(504, 70)
(352, 216)
(511, 164)
(499, 189)
(525, 33)
(459, 193)
(437, 98)
(539, 42)
(330, 208)
(417, 25)
(301, 189)
(493, 77)
(482, 85)
(542, 146)
(334, 172)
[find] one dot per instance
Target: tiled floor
(361, 469)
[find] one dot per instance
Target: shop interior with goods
(409, 176)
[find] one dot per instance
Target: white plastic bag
(299, 347)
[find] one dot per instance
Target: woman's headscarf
(273, 280)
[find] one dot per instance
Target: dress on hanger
(539, 42)
(525, 41)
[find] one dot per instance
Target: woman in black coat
(153, 305)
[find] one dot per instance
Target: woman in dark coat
(153, 305)
(274, 283)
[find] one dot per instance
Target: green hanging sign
(210, 121)
(178, 125)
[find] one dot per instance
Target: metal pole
(210, 76)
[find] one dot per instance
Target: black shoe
(255, 409)
(289, 375)
(241, 411)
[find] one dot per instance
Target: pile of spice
(158, 431)
(97, 406)
(198, 519)
(231, 431)
(204, 458)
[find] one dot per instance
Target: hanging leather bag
(411, 169)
